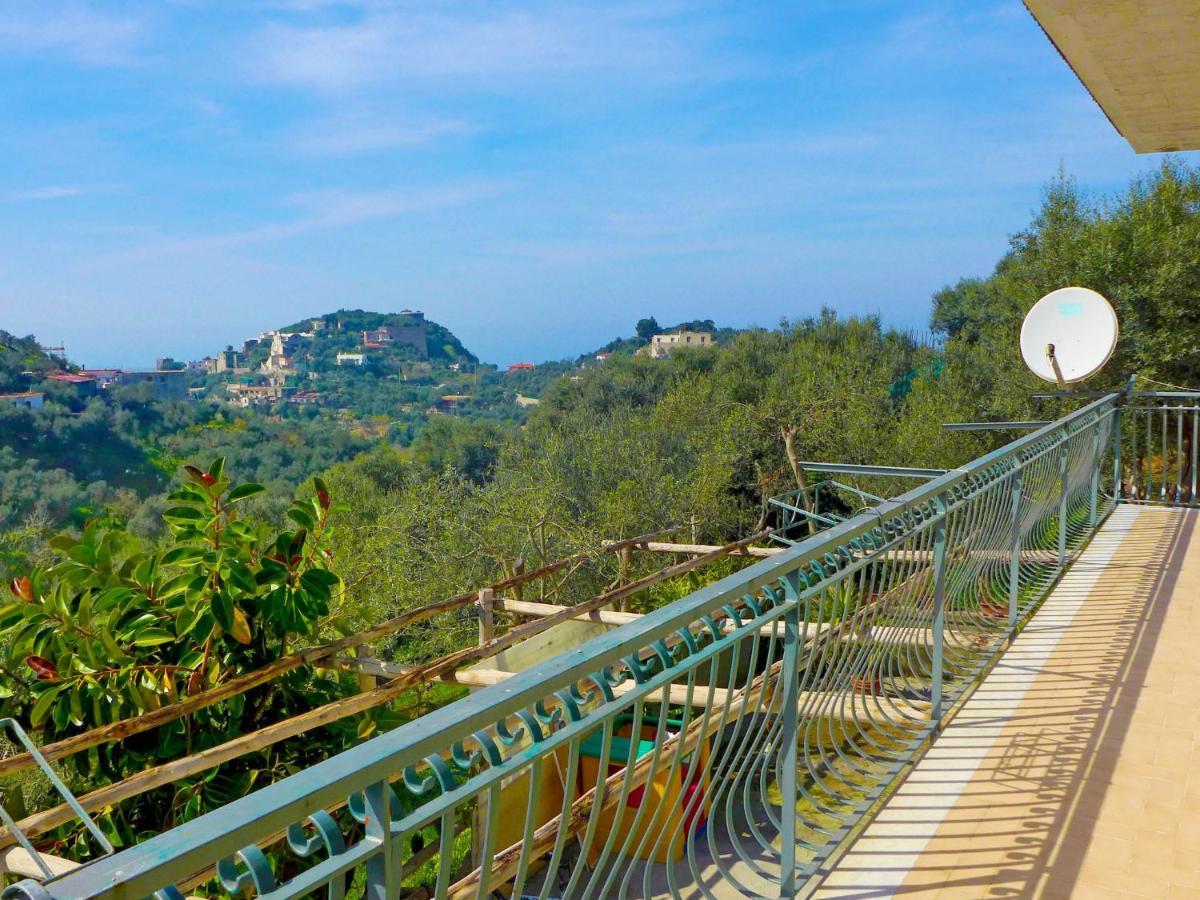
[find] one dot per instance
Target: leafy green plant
(111, 630)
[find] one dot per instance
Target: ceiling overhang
(1139, 60)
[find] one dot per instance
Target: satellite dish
(1069, 335)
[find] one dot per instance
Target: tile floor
(1074, 770)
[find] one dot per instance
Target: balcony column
(939, 611)
(383, 869)
(788, 753)
(1116, 439)
(1014, 561)
(1062, 504)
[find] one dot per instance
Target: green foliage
(110, 629)
(70, 466)
(19, 356)
(1140, 248)
(646, 329)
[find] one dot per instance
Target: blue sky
(536, 176)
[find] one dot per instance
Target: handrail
(1160, 449)
(883, 620)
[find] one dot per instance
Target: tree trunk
(789, 432)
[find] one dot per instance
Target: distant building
(352, 359)
(207, 364)
(663, 345)
(171, 385)
(104, 377)
(35, 400)
(256, 394)
(84, 385)
(524, 401)
(521, 367)
(406, 335)
(601, 357)
(317, 325)
(279, 362)
(225, 361)
(305, 398)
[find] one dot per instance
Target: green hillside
(19, 356)
(342, 332)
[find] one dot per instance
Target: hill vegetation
(632, 445)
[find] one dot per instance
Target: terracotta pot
(992, 611)
(867, 684)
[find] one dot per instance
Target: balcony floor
(1074, 769)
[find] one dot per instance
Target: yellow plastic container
(659, 833)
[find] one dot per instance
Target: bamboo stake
(124, 728)
(157, 776)
(663, 547)
(606, 617)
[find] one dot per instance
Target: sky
(178, 175)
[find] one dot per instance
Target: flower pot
(867, 684)
(993, 611)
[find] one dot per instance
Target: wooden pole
(115, 731)
(155, 777)
(487, 619)
(366, 682)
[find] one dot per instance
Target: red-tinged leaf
(22, 588)
(323, 498)
(207, 479)
(46, 670)
(195, 682)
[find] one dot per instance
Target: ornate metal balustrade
(727, 744)
(1160, 439)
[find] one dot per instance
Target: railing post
(939, 610)
(1014, 562)
(1062, 506)
(789, 754)
(383, 870)
(1094, 498)
(1117, 492)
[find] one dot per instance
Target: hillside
(343, 332)
(21, 355)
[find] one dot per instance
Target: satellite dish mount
(1058, 376)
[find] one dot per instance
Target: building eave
(1137, 60)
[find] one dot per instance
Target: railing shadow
(1024, 787)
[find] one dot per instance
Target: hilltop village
(363, 365)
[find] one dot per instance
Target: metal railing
(1160, 440)
(729, 743)
(805, 511)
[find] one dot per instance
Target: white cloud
(52, 192)
(328, 210)
(73, 31)
(345, 135)
(391, 46)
